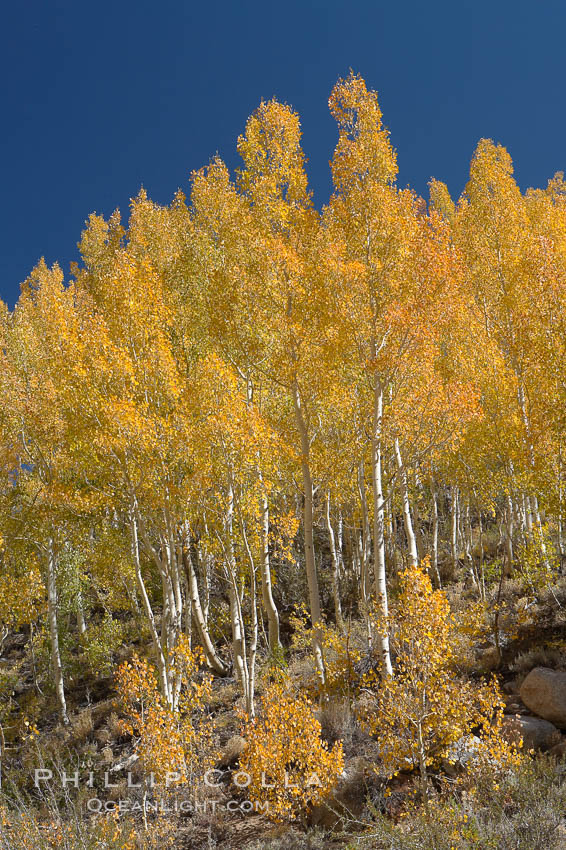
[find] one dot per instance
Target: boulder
(460, 755)
(536, 734)
(544, 693)
(559, 750)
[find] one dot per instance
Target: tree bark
(266, 587)
(454, 530)
(509, 535)
(312, 579)
(57, 668)
(238, 632)
(212, 657)
(378, 529)
(407, 521)
(335, 566)
(157, 642)
(468, 546)
(435, 538)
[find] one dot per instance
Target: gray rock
(559, 750)
(125, 764)
(544, 692)
(460, 755)
(536, 734)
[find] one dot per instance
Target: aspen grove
(240, 407)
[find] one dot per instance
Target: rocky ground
(532, 673)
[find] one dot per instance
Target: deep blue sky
(100, 98)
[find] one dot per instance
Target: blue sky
(100, 98)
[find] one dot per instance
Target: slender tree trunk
(360, 579)
(528, 514)
(378, 529)
(481, 558)
(409, 532)
(509, 536)
(423, 775)
(312, 579)
(238, 639)
(161, 659)
(366, 531)
(363, 543)
(266, 588)
(536, 514)
(454, 528)
(238, 634)
(188, 609)
(435, 538)
(212, 657)
(340, 543)
(202, 563)
(417, 501)
(534, 506)
(469, 545)
(335, 566)
(57, 668)
(81, 623)
(250, 699)
(390, 537)
(249, 694)
(2, 751)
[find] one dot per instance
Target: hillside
(282, 512)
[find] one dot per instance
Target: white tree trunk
(57, 668)
(312, 578)
(266, 587)
(212, 657)
(335, 566)
(249, 693)
(366, 531)
(378, 529)
(435, 538)
(239, 658)
(528, 514)
(468, 546)
(160, 655)
(81, 623)
(509, 535)
(454, 528)
(407, 521)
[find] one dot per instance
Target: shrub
(289, 765)
(539, 656)
(170, 741)
(342, 650)
(100, 642)
(537, 561)
(418, 714)
(24, 831)
(292, 840)
(522, 810)
(49, 824)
